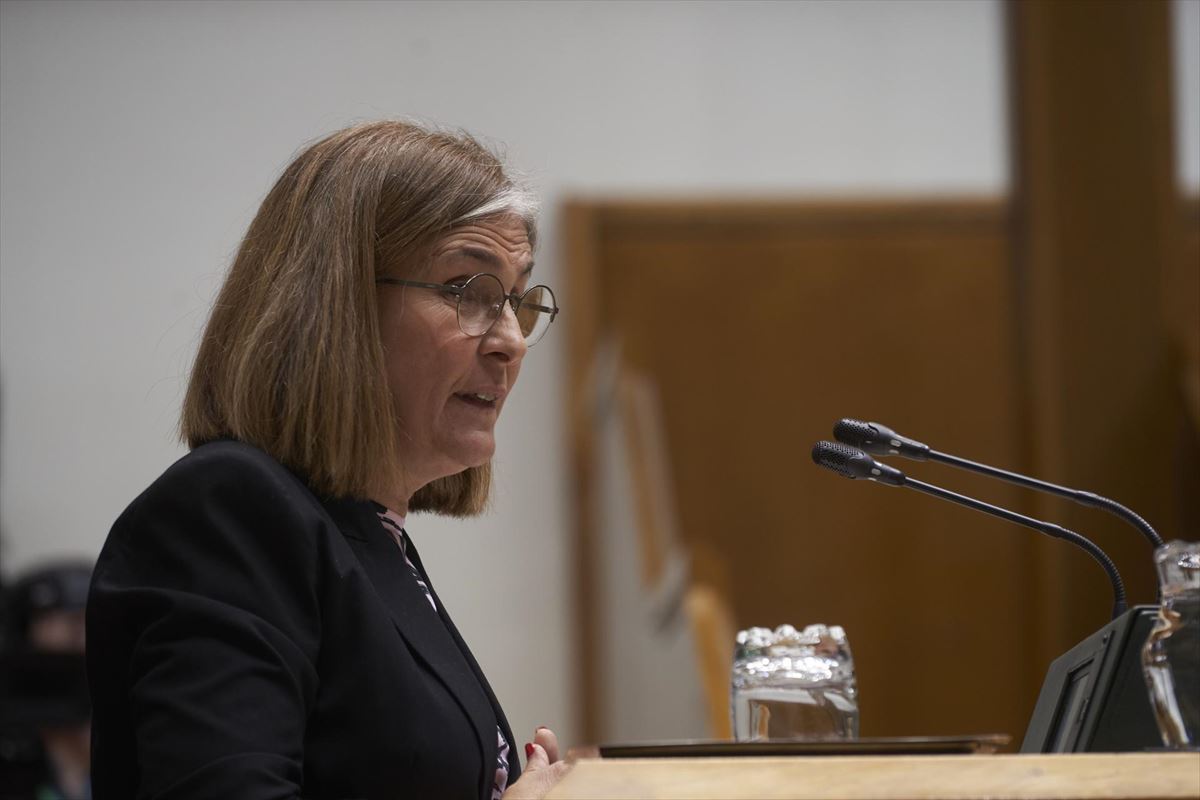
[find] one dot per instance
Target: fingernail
(542, 728)
(528, 750)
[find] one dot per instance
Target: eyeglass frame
(513, 300)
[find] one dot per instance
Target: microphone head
(878, 439)
(850, 462)
(839, 458)
(856, 433)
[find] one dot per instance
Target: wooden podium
(1115, 776)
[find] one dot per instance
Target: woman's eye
(453, 288)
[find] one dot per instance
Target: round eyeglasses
(481, 298)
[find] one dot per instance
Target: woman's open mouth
(479, 399)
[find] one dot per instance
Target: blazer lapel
(514, 762)
(413, 617)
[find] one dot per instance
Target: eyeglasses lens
(483, 300)
(480, 304)
(530, 316)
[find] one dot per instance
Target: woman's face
(448, 387)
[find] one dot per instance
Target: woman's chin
(474, 452)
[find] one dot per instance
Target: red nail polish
(528, 750)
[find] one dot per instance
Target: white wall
(136, 140)
(1185, 25)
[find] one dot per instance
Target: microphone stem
(1050, 529)
(1089, 499)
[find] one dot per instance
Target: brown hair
(291, 360)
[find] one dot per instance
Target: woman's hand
(543, 768)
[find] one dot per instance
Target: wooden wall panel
(1097, 229)
(1181, 308)
(765, 323)
(1056, 332)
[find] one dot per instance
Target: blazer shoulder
(222, 481)
(228, 461)
(227, 468)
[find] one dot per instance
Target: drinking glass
(790, 684)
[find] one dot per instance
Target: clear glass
(790, 684)
(1171, 655)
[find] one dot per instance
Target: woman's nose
(505, 336)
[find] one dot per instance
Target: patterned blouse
(393, 523)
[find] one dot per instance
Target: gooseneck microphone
(850, 462)
(880, 440)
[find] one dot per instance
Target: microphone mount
(850, 462)
(880, 440)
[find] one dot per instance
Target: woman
(259, 623)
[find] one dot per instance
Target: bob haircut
(292, 360)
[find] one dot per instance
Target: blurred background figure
(45, 715)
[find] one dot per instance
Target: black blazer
(247, 639)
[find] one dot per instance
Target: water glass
(790, 684)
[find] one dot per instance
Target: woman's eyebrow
(491, 259)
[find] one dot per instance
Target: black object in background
(42, 689)
(881, 746)
(1094, 698)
